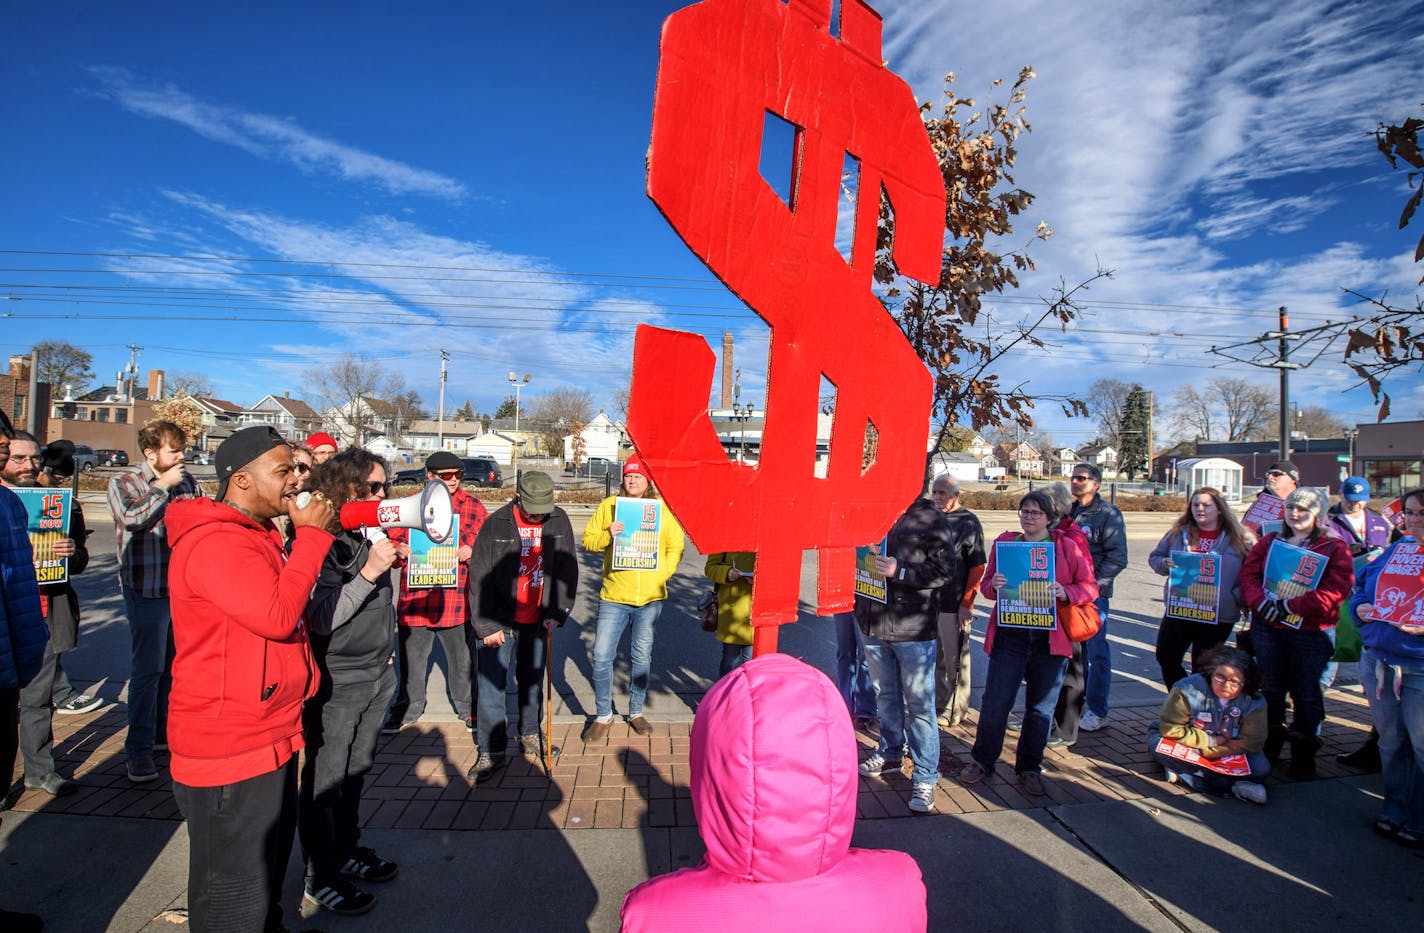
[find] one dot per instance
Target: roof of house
(452, 428)
(292, 406)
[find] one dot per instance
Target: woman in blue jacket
(1392, 674)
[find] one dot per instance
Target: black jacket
(352, 620)
(494, 571)
(922, 544)
(63, 615)
(1101, 523)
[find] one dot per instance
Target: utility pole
(1151, 404)
(134, 352)
(440, 425)
(1283, 353)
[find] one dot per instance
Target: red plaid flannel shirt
(441, 607)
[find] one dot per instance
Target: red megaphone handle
(360, 514)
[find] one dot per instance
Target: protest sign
(869, 582)
(1290, 572)
(1399, 591)
(1194, 587)
(1229, 765)
(636, 546)
(1026, 599)
(434, 565)
(48, 512)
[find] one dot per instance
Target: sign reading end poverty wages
(432, 565)
(636, 546)
(1194, 587)
(869, 582)
(1229, 765)
(1290, 572)
(1026, 599)
(48, 511)
(1399, 591)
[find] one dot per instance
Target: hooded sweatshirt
(773, 778)
(243, 666)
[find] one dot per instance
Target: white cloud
(269, 137)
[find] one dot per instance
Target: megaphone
(431, 510)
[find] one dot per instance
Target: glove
(1269, 610)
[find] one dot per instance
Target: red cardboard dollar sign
(725, 64)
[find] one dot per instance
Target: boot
(1366, 758)
(1302, 763)
(1275, 741)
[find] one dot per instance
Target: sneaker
(922, 798)
(1059, 742)
(1249, 791)
(867, 724)
(533, 746)
(340, 897)
(1172, 776)
(1092, 722)
(1032, 783)
(395, 724)
(368, 866)
(470, 724)
(141, 769)
(52, 784)
(972, 773)
(82, 703)
(640, 725)
(485, 768)
(879, 764)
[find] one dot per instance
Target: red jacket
(1319, 608)
(242, 667)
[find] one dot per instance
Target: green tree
(465, 412)
(506, 408)
(955, 439)
(63, 364)
(1133, 454)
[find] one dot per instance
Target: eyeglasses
(377, 487)
(1228, 681)
(1031, 513)
(449, 474)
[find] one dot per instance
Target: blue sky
(1216, 156)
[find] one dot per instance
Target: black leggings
(1175, 636)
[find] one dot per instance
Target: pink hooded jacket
(773, 787)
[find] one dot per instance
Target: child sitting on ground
(1212, 728)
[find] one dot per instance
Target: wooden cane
(548, 702)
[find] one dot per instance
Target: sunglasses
(449, 474)
(378, 487)
(1275, 473)
(301, 469)
(1079, 479)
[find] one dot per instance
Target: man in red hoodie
(242, 670)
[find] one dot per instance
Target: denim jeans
(151, 635)
(523, 650)
(1097, 659)
(904, 677)
(1292, 661)
(852, 674)
(1018, 656)
(613, 618)
(733, 657)
(1401, 737)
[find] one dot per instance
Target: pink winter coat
(1073, 567)
(773, 787)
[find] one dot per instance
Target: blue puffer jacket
(1392, 645)
(22, 626)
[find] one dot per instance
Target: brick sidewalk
(630, 781)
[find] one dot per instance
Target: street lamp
(518, 384)
(742, 413)
(1350, 435)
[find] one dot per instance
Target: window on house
(103, 414)
(121, 416)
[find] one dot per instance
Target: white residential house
(1060, 460)
(601, 437)
(425, 437)
(360, 419)
(293, 418)
(980, 448)
(391, 450)
(220, 418)
(1102, 456)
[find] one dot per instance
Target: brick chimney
(155, 384)
(727, 370)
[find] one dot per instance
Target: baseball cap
(443, 460)
(1286, 467)
(322, 439)
(536, 492)
(242, 448)
(1355, 489)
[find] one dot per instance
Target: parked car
(594, 467)
(112, 458)
(85, 458)
(196, 455)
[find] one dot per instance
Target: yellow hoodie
(634, 587)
